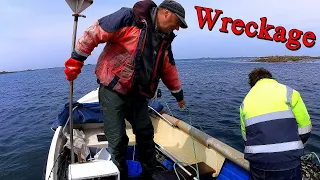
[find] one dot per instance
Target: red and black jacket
(135, 56)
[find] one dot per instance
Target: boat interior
(175, 152)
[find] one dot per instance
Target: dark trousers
(291, 174)
(115, 109)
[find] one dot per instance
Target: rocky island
(286, 59)
(5, 72)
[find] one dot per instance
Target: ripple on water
(213, 90)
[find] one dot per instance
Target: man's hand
(73, 69)
(182, 103)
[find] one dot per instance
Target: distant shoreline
(275, 59)
(272, 59)
(8, 72)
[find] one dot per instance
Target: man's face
(168, 22)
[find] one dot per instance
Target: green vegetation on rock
(286, 58)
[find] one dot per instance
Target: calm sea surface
(214, 89)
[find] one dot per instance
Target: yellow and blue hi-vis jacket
(275, 125)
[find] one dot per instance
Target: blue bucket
(134, 168)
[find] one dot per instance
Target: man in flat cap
(136, 56)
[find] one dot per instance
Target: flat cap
(176, 8)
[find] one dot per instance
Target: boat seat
(175, 148)
(91, 138)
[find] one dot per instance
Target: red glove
(73, 69)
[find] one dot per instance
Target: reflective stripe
(304, 144)
(271, 148)
(244, 137)
(289, 96)
(176, 91)
(81, 53)
(243, 115)
(305, 130)
(269, 117)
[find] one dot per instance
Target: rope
(186, 109)
(192, 137)
(175, 170)
(63, 130)
(310, 156)
(194, 147)
(54, 164)
(310, 169)
(181, 175)
(193, 144)
(167, 107)
(316, 157)
(198, 124)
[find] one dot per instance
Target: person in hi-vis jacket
(275, 126)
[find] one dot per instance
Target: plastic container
(134, 169)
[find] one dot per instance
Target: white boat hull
(172, 137)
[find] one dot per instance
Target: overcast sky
(38, 33)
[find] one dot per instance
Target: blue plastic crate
(231, 171)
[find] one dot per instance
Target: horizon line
(7, 72)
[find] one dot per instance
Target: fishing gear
(192, 137)
(194, 147)
(77, 6)
(310, 169)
